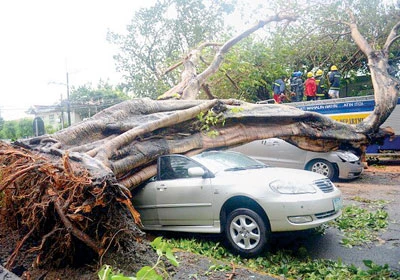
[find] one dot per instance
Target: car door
(144, 200)
(278, 152)
(182, 200)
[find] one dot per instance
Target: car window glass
(175, 167)
(217, 161)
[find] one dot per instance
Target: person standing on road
(297, 86)
(310, 87)
(279, 89)
(321, 86)
(334, 80)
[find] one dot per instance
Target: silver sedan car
(230, 193)
(277, 152)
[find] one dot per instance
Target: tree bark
(385, 86)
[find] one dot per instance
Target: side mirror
(196, 172)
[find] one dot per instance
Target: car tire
(246, 232)
(323, 167)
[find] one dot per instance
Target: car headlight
(347, 156)
(291, 187)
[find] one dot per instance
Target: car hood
(273, 173)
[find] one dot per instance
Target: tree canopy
(325, 38)
(16, 129)
(87, 101)
(318, 39)
(159, 35)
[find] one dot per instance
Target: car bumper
(294, 213)
(350, 170)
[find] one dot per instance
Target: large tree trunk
(386, 87)
(74, 187)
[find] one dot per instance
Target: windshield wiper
(257, 166)
(235, 169)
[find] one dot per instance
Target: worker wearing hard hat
(322, 92)
(334, 80)
(297, 86)
(310, 87)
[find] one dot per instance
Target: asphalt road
(384, 251)
(328, 247)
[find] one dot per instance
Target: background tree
(1, 122)
(9, 130)
(318, 39)
(314, 41)
(248, 71)
(25, 128)
(159, 35)
(88, 101)
(17, 129)
(321, 38)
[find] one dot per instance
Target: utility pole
(62, 113)
(68, 103)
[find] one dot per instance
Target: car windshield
(227, 161)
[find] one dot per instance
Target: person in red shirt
(310, 87)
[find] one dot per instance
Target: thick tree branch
(107, 149)
(225, 48)
(358, 38)
(391, 38)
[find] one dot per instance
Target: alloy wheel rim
(245, 232)
(320, 168)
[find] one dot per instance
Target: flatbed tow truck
(352, 110)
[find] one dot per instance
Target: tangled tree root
(58, 207)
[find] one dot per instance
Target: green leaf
(122, 277)
(170, 256)
(148, 273)
(156, 242)
(105, 272)
(368, 263)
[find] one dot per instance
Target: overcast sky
(43, 39)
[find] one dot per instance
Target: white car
(277, 152)
(230, 193)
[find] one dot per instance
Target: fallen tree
(72, 189)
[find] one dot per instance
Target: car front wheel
(323, 167)
(246, 232)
